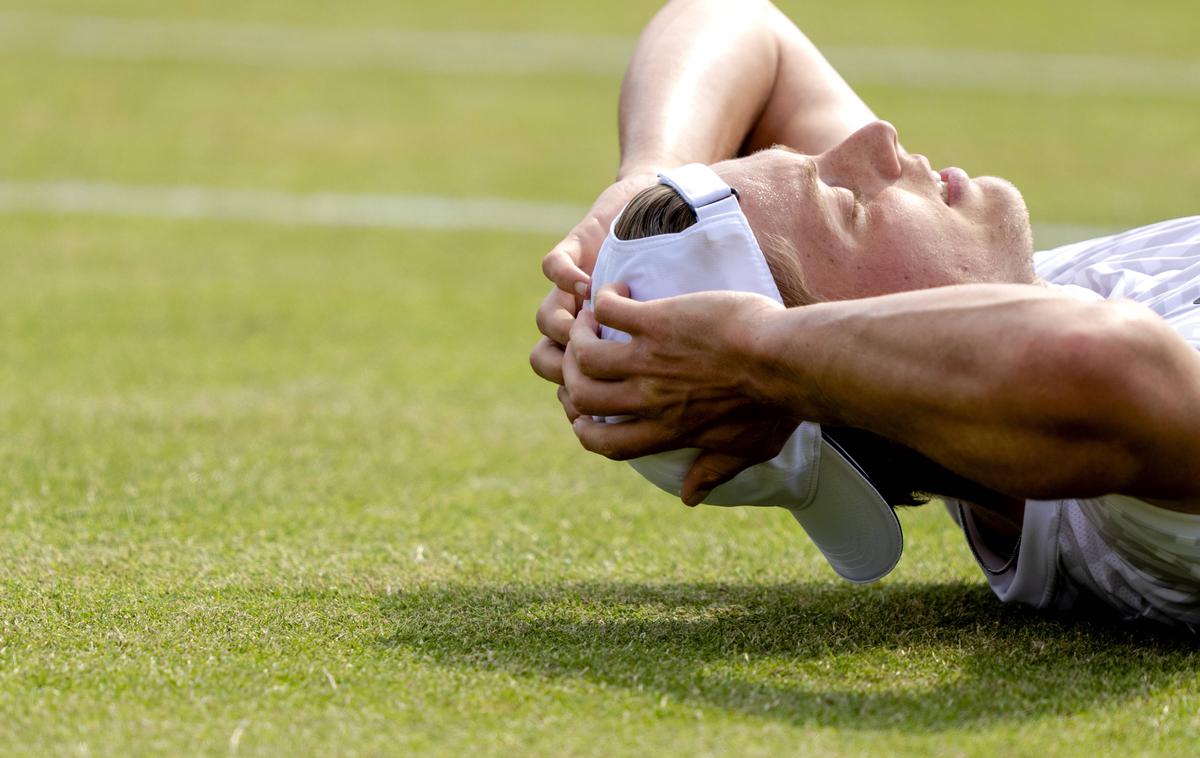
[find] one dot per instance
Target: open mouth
(939, 179)
(953, 184)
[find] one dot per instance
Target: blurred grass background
(274, 488)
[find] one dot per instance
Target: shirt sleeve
(1033, 578)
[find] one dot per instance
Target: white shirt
(1141, 560)
(1157, 266)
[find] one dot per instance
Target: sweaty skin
(991, 380)
(745, 77)
(868, 218)
(1105, 390)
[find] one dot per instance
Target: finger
(561, 266)
(604, 360)
(599, 358)
(564, 398)
(602, 398)
(587, 326)
(546, 359)
(755, 438)
(597, 397)
(614, 308)
(710, 470)
(585, 332)
(627, 439)
(556, 315)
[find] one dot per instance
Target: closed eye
(850, 201)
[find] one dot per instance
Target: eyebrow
(814, 174)
(812, 162)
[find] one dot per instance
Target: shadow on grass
(921, 656)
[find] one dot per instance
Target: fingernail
(581, 289)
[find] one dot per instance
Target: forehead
(763, 171)
(778, 192)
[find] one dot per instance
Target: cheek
(912, 246)
(770, 214)
(885, 256)
(910, 223)
(1008, 218)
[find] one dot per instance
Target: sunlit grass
(294, 490)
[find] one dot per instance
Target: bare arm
(708, 78)
(1012, 386)
(1027, 392)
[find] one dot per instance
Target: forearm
(710, 77)
(1011, 386)
(699, 78)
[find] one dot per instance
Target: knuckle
(556, 326)
(573, 392)
(579, 400)
(617, 454)
(589, 442)
(564, 399)
(560, 258)
(584, 358)
(651, 393)
(606, 448)
(599, 439)
(545, 363)
(709, 472)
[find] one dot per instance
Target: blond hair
(660, 210)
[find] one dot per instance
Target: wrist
(784, 362)
(642, 168)
(757, 345)
(650, 162)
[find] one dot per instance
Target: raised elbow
(1116, 381)
(1088, 363)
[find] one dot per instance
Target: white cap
(813, 477)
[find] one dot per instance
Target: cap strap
(700, 186)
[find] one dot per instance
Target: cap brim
(850, 522)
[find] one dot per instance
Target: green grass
(283, 490)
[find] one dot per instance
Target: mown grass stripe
(522, 54)
(387, 211)
(394, 211)
(202, 41)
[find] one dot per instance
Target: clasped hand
(681, 377)
(685, 380)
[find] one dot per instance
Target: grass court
(279, 484)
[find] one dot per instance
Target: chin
(1008, 217)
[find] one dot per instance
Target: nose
(866, 160)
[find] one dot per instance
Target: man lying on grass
(1052, 399)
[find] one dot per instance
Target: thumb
(560, 267)
(709, 471)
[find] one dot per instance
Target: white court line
(1017, 73)
(379, 211)
(448, 52)
(383, 211)
(508, 53)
